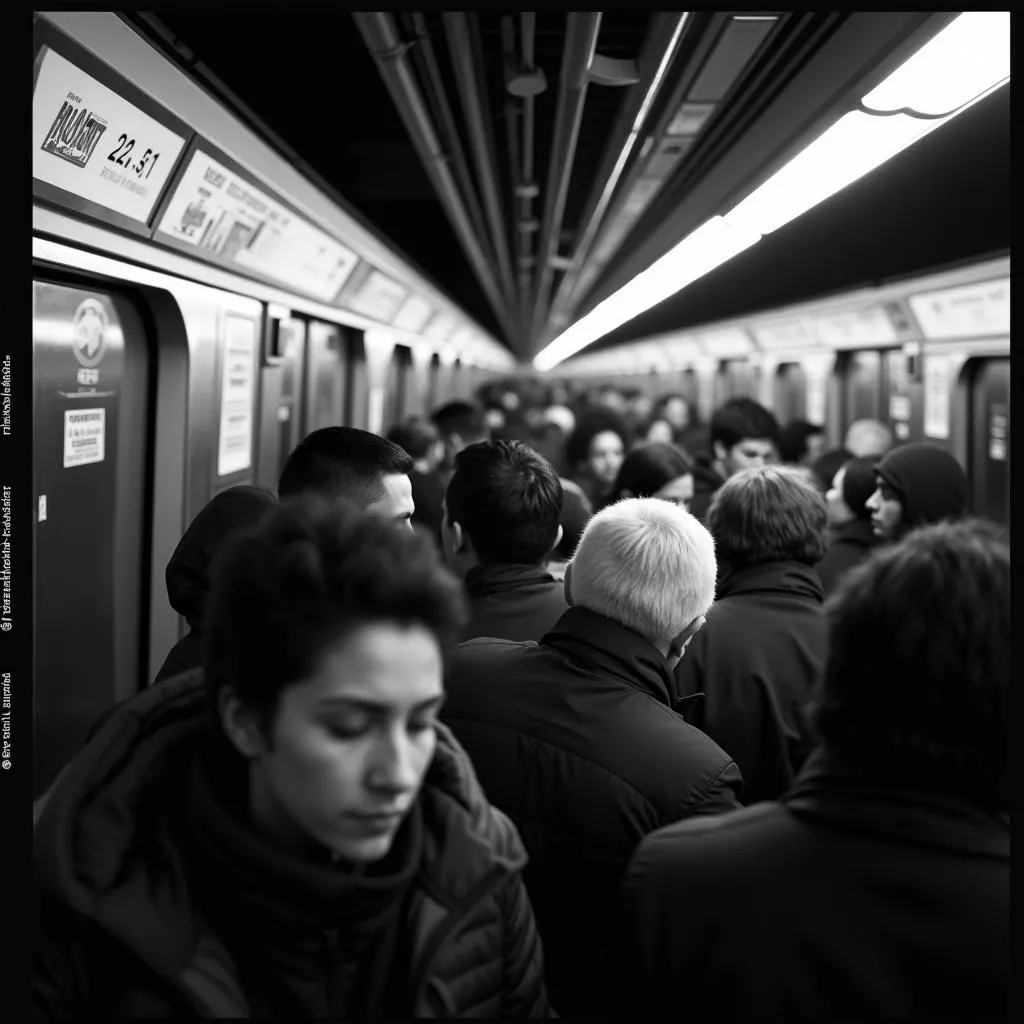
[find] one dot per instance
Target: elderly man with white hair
(577, 738)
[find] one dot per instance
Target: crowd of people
(556, 704)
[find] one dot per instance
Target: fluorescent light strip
(856, 144)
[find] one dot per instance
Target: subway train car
(928, 354)
(199, 306)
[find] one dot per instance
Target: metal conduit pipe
(381, 38)
(580, 41)
(448, 127)
(663, 41)
(464, 48)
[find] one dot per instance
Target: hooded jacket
(188, 571)
(756, 660)
(576, 740)
(853, 899)
(122, 931)
(929, 481)
(512, 602)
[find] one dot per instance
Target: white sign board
(234, 451)
(216, 210)
(936, 395)
(792, 334)
(414, 314)
(378, 296)
(95, 145)
(973, 311)
(867, 326)
(729, 341)
(84, 433)
(899, 407)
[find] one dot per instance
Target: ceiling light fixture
(956, 68)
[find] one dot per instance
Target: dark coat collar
(791, 578)
(501, 577)
(837, 792)
(613, 650)
(856, 532)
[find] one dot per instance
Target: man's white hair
(868, 439)
(647, 564)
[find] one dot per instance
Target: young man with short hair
(291, 834)
(363, 468)
(500, 525)
(878, 888)
(577, 737)
(743, 435)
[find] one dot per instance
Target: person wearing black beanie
(916, 485)
(852, 536)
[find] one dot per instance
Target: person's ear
(678, 645)
(239, 724)
(567, 584)
(720, 451)
(558, 538)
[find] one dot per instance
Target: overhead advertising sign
(440, 327)
(218, 211)
(791, 334)
(867, 326)
(378, 296)
(414, 314)
(729, 341)
(90, 142)
(973, 311)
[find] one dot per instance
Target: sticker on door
(84, 431)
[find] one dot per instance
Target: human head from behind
(656, 471)
(422, 440)
(767, 514)
(917, 686)
(502, 505)
(825, 467)
(916, 484)
(801, 443)
(323, 662)
(363, 468)
(852, 485)
(868, 439)
(597, 445)
(461, 424)
(743, 434)
(649, 566)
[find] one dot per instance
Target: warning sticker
(84, 431)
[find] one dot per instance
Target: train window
(989, 469)
(326, 370)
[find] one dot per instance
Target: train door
(92, 443)
(689, 387)
(790, 393)
(989, 468)
(325, 378)
(862, 392)
(281, 399)
(399, 381)
(434, 384)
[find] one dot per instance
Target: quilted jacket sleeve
(523, 991)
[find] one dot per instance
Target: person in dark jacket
(188, 571)
(422, 440)
(917, 484)
(595, 450)
(360, 467)
(656, 471)
(577, 739)
(825, 467)
(851, 536)
(289, 834)
(500, 526)
(743, 434)
(763, 647)
(801, 443)
(879, 887)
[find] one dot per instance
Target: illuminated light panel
(714, 242)
(967, 59)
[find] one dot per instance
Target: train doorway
(990, 439)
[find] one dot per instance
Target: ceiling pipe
(580, 41)
(436, 95)
(464, 48)
(664, 38)
(390, 54)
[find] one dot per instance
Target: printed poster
(378, 296)
(219, 212)
(92, 143)
(238, 369)
(936, 396)
(84, 435)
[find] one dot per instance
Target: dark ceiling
(312, 82)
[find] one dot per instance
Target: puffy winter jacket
(756, 660)
(576, 740)
(121, 933)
